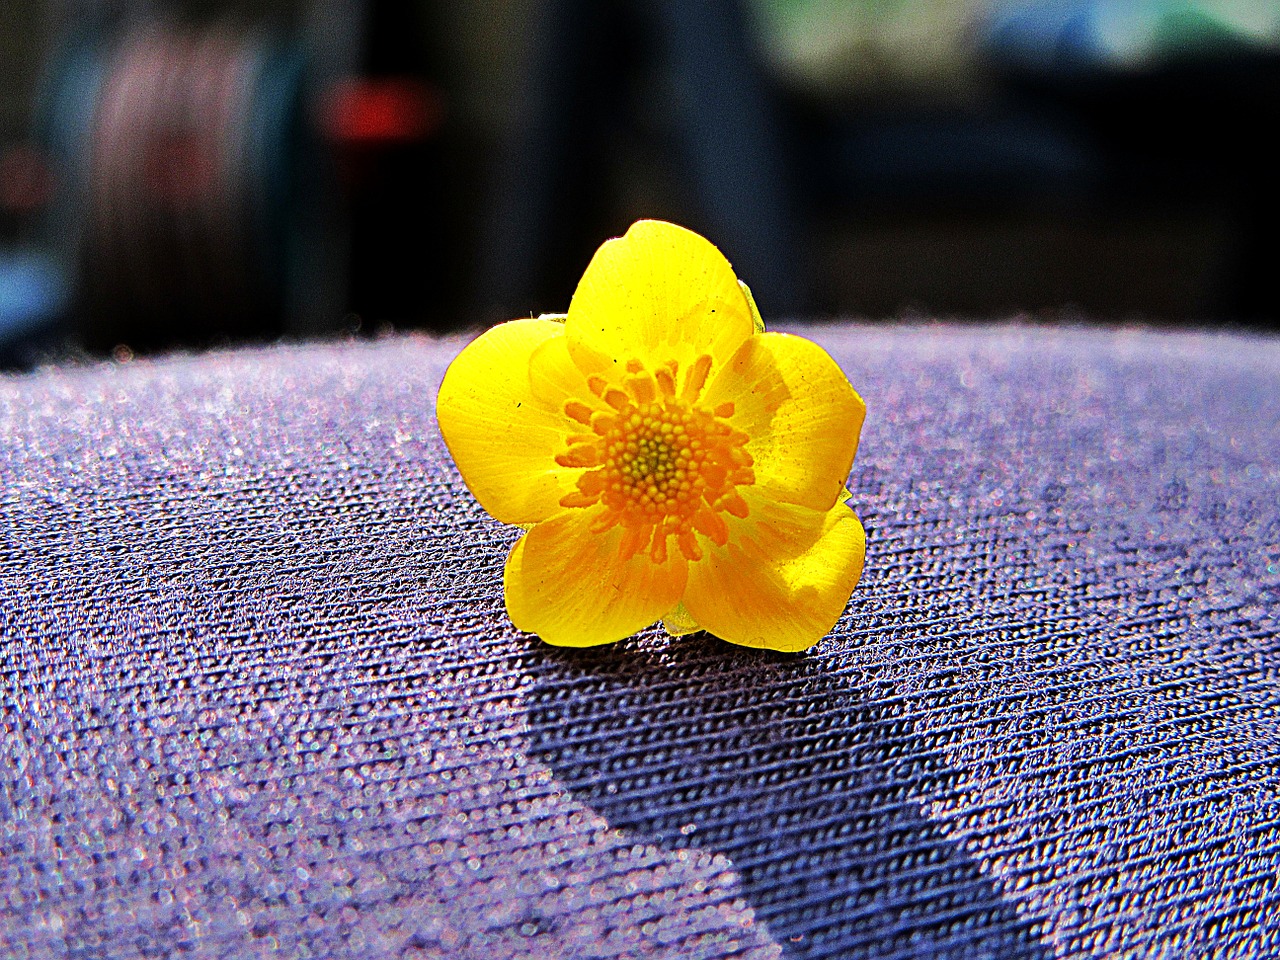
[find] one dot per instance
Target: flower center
(663, 466)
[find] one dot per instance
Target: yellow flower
(669, 459)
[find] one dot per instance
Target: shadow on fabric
(765, 759)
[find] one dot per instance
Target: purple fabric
(260, 698)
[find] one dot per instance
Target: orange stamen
(666, 383)
(577, 410)
(579, 456)
(664, 467)
(696, 378)
(642, 389)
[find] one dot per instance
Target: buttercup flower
(669, 459)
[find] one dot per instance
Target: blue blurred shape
(1083, 35)
(1042, 36)
(33, 295)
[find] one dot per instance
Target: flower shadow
(785, 771)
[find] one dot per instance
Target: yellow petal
(779, 531)
(800, 412)
(569, 585)
(503, 428)
(554, 379)
(742, 595)
(659, 293)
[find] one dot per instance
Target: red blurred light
(384, 111)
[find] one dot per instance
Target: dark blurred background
(187, 174)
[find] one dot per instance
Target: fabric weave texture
(259, 695)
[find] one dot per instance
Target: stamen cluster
(662, 465)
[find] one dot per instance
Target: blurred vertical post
(720, 145)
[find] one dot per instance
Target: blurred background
(187, 174)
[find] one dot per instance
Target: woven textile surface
(259, 695)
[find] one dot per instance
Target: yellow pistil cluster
(662, 465)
